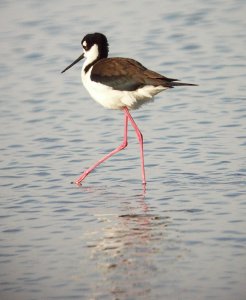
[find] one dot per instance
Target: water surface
(184, 238)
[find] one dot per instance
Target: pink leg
(121, 147)
(140, 139)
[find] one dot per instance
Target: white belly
(113, 99)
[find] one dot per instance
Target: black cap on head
(96, 38)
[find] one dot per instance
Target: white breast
(113, 99)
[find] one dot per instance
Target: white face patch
(84, 44)
(91, 54)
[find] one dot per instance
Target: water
(182, 239)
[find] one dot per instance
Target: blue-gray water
(185, 238)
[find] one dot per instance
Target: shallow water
(184, 238)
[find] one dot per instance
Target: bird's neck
(92, 56)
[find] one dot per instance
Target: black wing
(125, 74)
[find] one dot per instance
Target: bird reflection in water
(124, 250)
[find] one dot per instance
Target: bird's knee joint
(123, 145)
(140, 137)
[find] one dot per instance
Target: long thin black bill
(75, 62)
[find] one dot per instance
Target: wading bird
(118, 83)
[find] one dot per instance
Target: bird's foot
(76, 182)
(80, 179)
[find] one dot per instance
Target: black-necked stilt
(118, 83)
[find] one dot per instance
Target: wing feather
(126, 74)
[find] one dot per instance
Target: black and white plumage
(118, 83)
